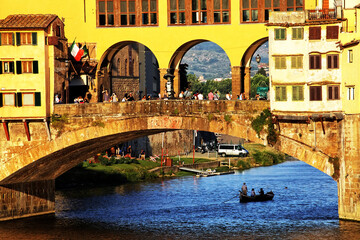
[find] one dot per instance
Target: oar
(230, 199)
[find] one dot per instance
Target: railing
(321, 14)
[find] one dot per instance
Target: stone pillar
(176, 82)
(163, 81)
(247, 82)
(349, 170)
(20, 200)
(236, 82)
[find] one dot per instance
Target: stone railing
(169, 107)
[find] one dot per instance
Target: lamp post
(258, 58)
(67, 95)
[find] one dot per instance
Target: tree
(262, 72)
(258, 80)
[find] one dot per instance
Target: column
(247, 82)
(236, 82)
(20, 200)
(163, 81)
(176, 82)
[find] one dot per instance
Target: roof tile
(27, 21)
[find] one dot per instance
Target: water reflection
(304, 207)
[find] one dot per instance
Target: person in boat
(244, 189)
(261, 191)
(253, 194)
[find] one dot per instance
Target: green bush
(243, 164)
(267, 158)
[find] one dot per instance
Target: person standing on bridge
(244, 189)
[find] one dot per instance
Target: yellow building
(32, 53)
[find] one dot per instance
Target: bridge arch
(128, 66)
(86, 134)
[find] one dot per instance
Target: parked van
(232, 150)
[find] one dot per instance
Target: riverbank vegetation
(114, 171)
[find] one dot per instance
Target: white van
(232, 150)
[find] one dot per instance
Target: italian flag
(76, 52)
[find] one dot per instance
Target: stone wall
(27, 199)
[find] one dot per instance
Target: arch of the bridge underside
(105, 63)
(53, 158)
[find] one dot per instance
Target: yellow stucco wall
(27, 82)
(162, 40)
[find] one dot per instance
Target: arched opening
(259, 73)
(201, 66)
(128, 67)
(245, 65)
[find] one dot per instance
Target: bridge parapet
(161, 107)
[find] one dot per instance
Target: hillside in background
(210, 60)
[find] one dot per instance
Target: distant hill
(210, 60)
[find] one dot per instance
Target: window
(26, 38)
(297, 33)
(315, 62)
(315, 93)
(6, 67)
(250, 10)
(106, 13)
(280, 34)
(296, 62)
(314, 33)
(280, 62)
(177, 11)
(127, 13)
(221, 11)
(8, 99)
(149, 12)
(350, 56)
(334, 92)
(294, 5)
(7, 39)
(27, 67)
(351, 93)
(332, 32)
(198, 11)
(332, 61)
(280, 93)
(28, 99)
(298, 93)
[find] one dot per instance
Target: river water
(304, 207)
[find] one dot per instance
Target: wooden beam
(6, 130)
(26, 130)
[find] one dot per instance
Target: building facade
(33, 50)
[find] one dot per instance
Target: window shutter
(294, 33)
(336, 61)
(293, 62)
(300, 62)
(18, 67)
(277, 60)
(18, 99)
(311, 58)
(314, 33)
(330, 92)
(277, 94)
(0, 39)
(1, 100)
(329, 64)
(37, 99)
(312, 93)
(283, 94)
(18, 39)
(0, 67)
(34, 38)
(318, 61)
(318, 93)
(12, 67)
(283, 33)
(277, 33)
(13, 39)
(283, 62)
(301, 93)
(35, 67)
(295, 93)
(336, 92)
(332, 32)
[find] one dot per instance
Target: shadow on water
(304, 207)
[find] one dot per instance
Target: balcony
(321, 14)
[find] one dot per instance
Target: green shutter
(18, 99)
(277, 94)
(18, 67)
(283, 63)
(295, 93)
(277, 33)
(13, 39)
(12, 67)
(293, 62)
(301, 93)
(294, 36)
(283, 33)
(283, 94)
(0, 67)
(37, 99)
(18, 39)
(34, 38)
(35, 67)
(1, 100)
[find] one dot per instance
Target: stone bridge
(31, 162)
